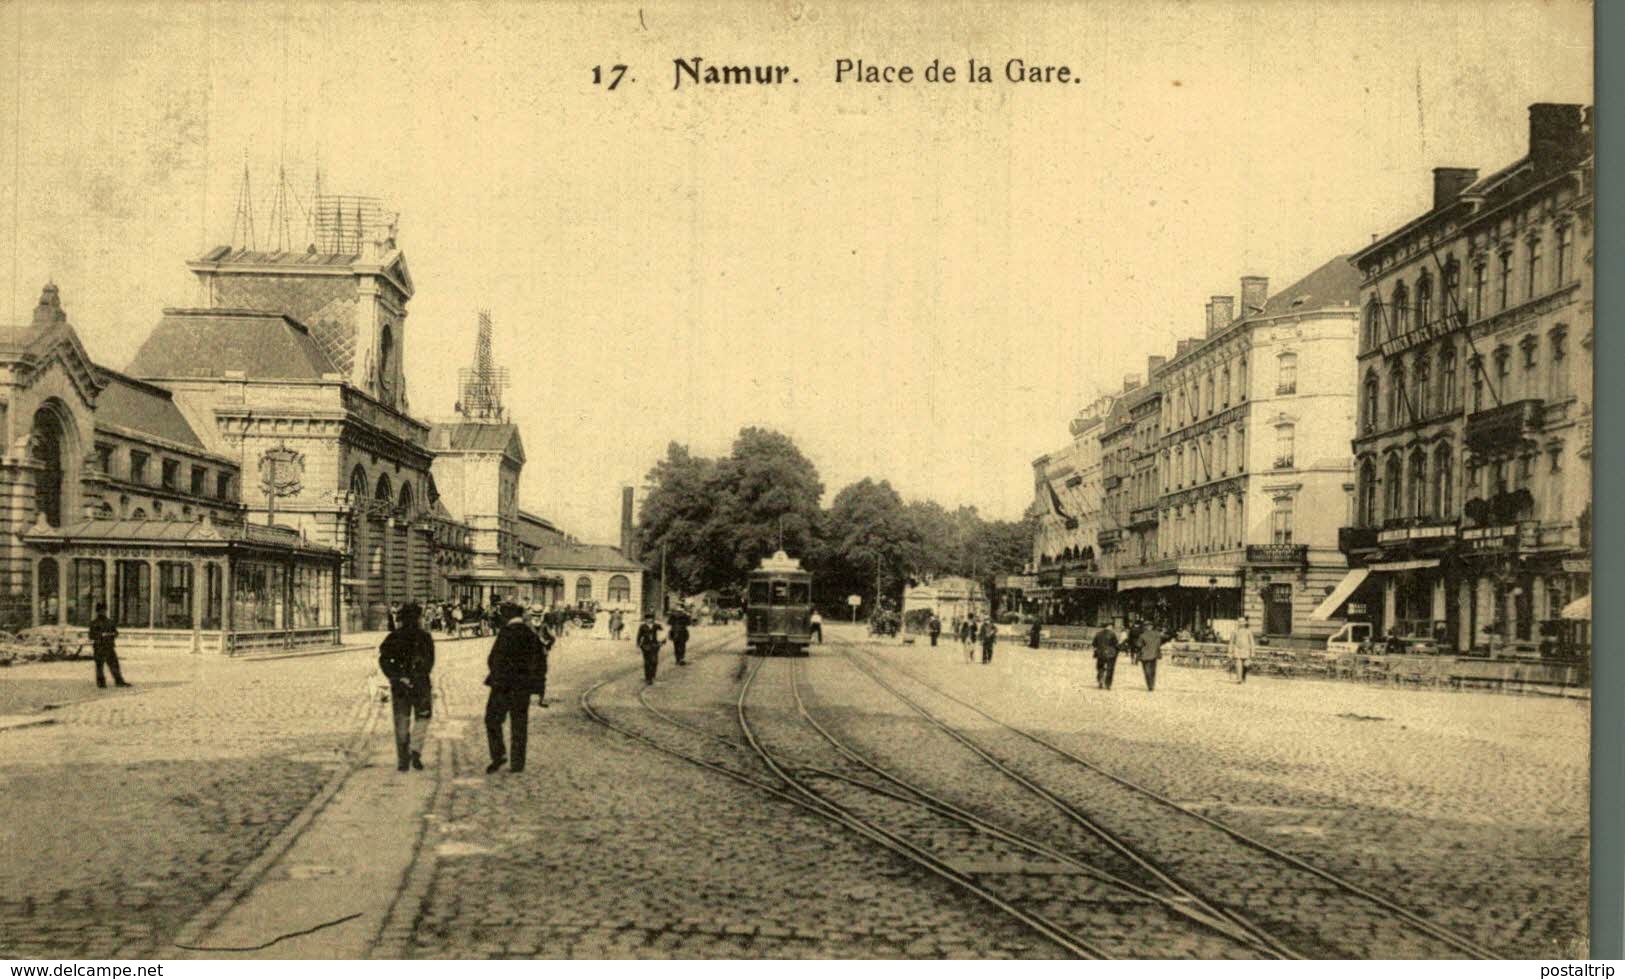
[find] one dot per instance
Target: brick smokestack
(1152, 365)
(629, 538)
(1219, 313)
(1558, 136)
(1255, 292)
(1130, 382)
(1449, 182)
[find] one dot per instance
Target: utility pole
(662, 610)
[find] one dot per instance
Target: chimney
(1449, 182)
(629, 542)
(1219, 313)
(1152, 365)
(1557, 135)
(1255, 292)
(1179, 350)
(1130, 382)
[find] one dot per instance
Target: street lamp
(1212, 602)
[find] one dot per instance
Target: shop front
(1065, 597)
(188, 586)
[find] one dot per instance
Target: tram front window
(800, 593)
(758, 593)
(781, 591)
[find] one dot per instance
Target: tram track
(1327, 888)
(809, 788)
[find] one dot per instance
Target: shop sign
(1577, 565)
(1398, 534)
(1491, 538)
(1088, 581)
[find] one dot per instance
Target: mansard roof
(210, 342)
(144, 409)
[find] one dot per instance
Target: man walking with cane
(517, 657)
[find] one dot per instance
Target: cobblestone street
(171, 812)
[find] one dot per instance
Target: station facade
(255, 478)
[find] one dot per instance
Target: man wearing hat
(407, 656)
(649, 645)
(517, 659)
(536, 618)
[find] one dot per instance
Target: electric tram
(778, 608)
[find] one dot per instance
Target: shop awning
(1348, 586)
(1578, 610)
(1412, 565)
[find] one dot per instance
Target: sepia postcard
(795, 480)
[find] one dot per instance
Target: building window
(1476, 365)
(138, 514)
(583, 590)
(1419, 484)
(1444, 489)
(1424, 300)
(1373, 324)
(1224, 454)
(213, 604)
(1284, 435)
(138, 466)
(1393, 479)
(257, 596)
(174, 595)
(1396, 395)
(1241, 379)
(104, 458)
(1421, 380)
(1559, 384)
(1402, 310)
(134, 599)
(1281, 522)
(1528, 345)
(1366, 500)
(1370, 402)
(1503, 284)
(1503, 360)
(48, 586)
(200, 481)
(311, 598)
(87, 588)
(1565, 253)
(171, 474)
(1241, 450)
(1532, 273)
(1286, 374)
(1447, 379)
(1480, 288)
(1207, 385)
(1450, 302)
(222, 489)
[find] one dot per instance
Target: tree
(717, 518)
(868, 535)
(767, 492)
(676, 515)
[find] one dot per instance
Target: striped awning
(1348, 586)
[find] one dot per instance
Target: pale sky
(920, 283)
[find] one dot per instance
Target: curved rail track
(1456, 943)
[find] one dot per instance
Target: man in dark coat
(1150, 651)
(677, 631)
(649, 645)
(407, 656)
(1035, 635)
(934, 627)
(103, 633)
(990, 635)
(537, 620)
(1105, 656)
(517, 659)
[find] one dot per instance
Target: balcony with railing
(1278, 555)
(1356, 539)
(1505, 427)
